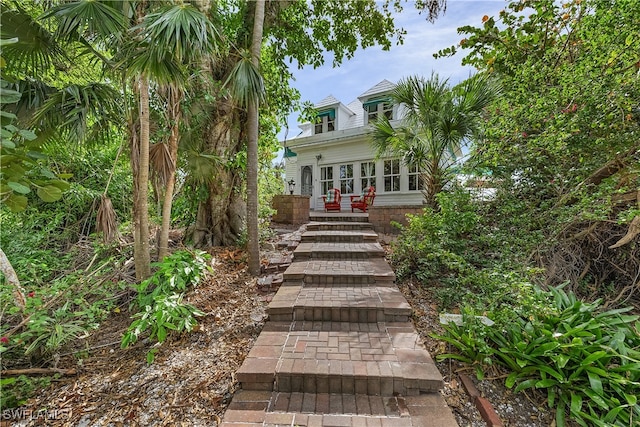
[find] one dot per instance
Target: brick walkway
(338, 349)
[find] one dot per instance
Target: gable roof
(382, 87)
(328, 101)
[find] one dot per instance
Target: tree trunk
(252, 150)
(174, 113)
(141, 255)
(220, 218)
(12, 279)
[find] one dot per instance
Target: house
(336, 152)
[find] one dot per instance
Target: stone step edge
(255, 408)
(336, 376)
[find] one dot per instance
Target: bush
(587, 361)
(160, 298)
(436, 243)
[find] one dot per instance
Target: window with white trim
(391, 175)
(325, 122)
(378, 108)
(367, 175)
(415, 178)
(326, 179)
(346, 178)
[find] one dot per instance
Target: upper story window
(377, 108)
(325, 122)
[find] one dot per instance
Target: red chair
(363, 201)
(332, 200)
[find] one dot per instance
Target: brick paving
(335, 250)
(340, 236)
(338, 349)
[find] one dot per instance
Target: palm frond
(75, 109)
(181, 31)
(161, 163)
(36, 48)
(381, 136)
(97, 21)
(153, 63)
(245, 82)
(106, 220)
(477, 92)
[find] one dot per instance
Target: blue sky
(414, 57)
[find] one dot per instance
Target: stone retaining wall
(381, 216)
(291, 209)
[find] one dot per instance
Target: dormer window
(377, 108)
(325, 122)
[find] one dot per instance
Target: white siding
(349, 151)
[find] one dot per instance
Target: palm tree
(177, 36)
(438, 120)
(148, 46)
(252, 146)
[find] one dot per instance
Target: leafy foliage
(160, 298)
(586, 360)
(438, 121)
(21, 158)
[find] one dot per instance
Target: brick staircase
(338, 349)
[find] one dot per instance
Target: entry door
(307, 183)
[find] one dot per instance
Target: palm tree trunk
(252, 150)
(142, 257)
(174, 113)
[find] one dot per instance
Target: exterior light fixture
(292, 185)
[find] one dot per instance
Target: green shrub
(17, 390)
(436, 244)
(160, 298)
(587, 361)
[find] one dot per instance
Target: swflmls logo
(28, 414)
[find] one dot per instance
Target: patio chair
(332, 200)
(364, 200)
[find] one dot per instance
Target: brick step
(329, 250)
(339, 236)
(369, 304)
(339, 273)
(253, 408)
(335, 225)
(390, 361)
(338, 217)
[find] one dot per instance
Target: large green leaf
(18, 188)
(49, 193)
(9, 96)
(16, 203)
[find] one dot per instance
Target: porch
(294, 209)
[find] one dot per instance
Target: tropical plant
(185, 35)
(562, 140)
(586, 360)
(160, 298)
(438, 120)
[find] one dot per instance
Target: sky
(414, 57)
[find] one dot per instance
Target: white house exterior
(336, 152)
